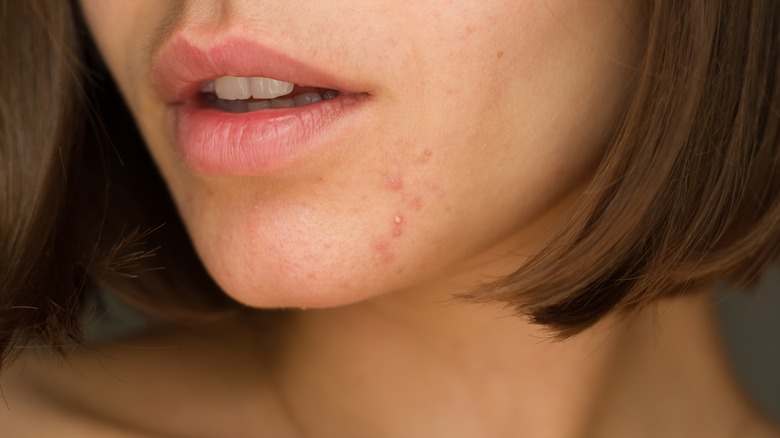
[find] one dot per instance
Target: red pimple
(426, 157)
(435, 190)
(398, 221)
(415, 202)
(394, 182)
(382, 248)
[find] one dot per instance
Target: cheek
(477, 132)
(122, 30)
(109, 25)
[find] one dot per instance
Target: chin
(300, 276)
(267, 290)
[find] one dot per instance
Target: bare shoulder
(27, 410)
(157, 384)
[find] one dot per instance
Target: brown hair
(687, 193)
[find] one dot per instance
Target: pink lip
(216, 142)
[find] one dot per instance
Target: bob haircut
(687, 193)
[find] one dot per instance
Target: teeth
(282, 103)
(306, 99)
(259, 105)
(208, 87)
(330, 94)
(232, 88)
(242, 94)
(264, 88)
(237, 106)
(241, 88)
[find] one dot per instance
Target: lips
(212, 140)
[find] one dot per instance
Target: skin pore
(481, 125)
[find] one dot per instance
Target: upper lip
(180, 67)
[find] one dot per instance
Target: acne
(398, 223)
(414, 202)
(383, 246)
(393, 182)
(435, 190)
(384, 250)
(425, 157)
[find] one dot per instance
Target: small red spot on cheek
(394, 182)
(382, 247)
(435, 190)
(425, 158)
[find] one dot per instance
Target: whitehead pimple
(394, 182)
(383, 246)
(398, 221)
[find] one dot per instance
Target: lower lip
(221, 143)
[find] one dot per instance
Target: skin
(480, 126)
(476, 109)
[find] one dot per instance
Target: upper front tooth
(265, 88)
(232, 88)
(235, 88)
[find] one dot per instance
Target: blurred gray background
(751, 326)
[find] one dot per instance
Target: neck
(422, 365)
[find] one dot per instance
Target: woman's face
(461, 131)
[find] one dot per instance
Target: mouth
(237, 108)
(246, 94)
